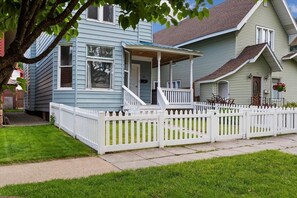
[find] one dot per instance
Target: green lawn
(264, 174)
(37, 143)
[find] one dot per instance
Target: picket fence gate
(109, 132)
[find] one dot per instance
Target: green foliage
(52, 119)
(38, 143)
(264, 174)
(133, 11)
(291, 105)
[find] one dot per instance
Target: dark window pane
(108, 13)
(127, 61)
(66, 55)
(93, 12)
(126, 79)
(99, 51)
(66, 77)
(99, 74)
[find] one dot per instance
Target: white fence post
(247, 124)
(295, 119)
(74, 122)
(274, 124)
(161, 128)
(101, 133)
(214, 125)
(60, 115)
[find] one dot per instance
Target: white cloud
(293, 8)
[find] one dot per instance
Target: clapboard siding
(95, 33)
(267, 17)
(216, 52)
(30, 76)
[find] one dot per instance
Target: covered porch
(168, 97)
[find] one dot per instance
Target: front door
(256, 99)
(135, 79)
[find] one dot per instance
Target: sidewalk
(83, 167)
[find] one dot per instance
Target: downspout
(76, 50)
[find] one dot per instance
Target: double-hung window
(101, 14)
(65, 67)
(176, 84)
(265, 35)
(99, 66)
(127, 68)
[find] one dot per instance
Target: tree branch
(59, 37)
(47, 23)
(32, 18)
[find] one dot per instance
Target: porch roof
(249, 55)
(168, 53)
(290, 56)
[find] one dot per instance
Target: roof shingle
(247, 54)
(222, 17)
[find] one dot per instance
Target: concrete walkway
(82, 167)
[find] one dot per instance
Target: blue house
(105, 68)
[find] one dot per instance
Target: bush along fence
(108, 132)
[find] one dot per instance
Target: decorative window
(265, 35)
(293, 48)
(99, 66)
(126, 68)
(101, 14)
(65, 67)
(176, 84)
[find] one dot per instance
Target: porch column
(191, 77)
(159, 68)
(170, 74)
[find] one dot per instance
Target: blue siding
(96, 33)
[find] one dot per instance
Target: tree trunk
(5, 73)
(1, 112)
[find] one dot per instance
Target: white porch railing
(178, 96)
(131, 101)
(162, 100)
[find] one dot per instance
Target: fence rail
(108, 132)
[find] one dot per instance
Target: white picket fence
(108, 132)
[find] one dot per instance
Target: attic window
(265, 35)
(101, 14)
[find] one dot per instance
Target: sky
(291, 3)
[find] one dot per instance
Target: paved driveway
(24, 119)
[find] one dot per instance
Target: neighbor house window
(65, 67)
(265, 35)
(176, 84)
(275, 93)
(102, 14)
(99, 66)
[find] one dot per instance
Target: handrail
(162, 100)
(130, 99)
(177, 90)
(178, 96)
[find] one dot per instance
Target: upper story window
(102, 14)
(99, 66)
(65, 67)
(265, 35)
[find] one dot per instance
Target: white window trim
(100, 16)
(102, 59)
(268, 31)
(59, 66)
(228, 84)
(127, 71)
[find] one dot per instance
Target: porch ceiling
(168, 53)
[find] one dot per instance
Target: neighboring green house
(246, 47)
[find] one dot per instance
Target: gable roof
(229, 16)
(290, 56)
(249, 55)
